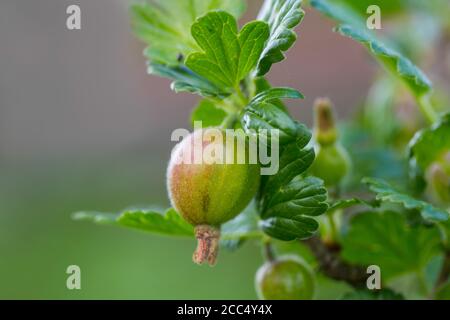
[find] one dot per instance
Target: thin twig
(332, 265)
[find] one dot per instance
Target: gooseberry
(285, 278)
(213, 189)
(332, 162)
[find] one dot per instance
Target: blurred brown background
(75, 92)
(82, 126)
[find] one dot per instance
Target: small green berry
(332, 163)
(286, 278)
(209, 193)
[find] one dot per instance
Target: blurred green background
(38, 239)
(83, 127)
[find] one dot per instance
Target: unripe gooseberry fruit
(286, 278)
(332, 164)
(209, 184)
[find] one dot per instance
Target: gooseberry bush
(370, 191)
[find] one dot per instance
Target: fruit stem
(333, 228)
(207, 244)
(269, 253)
(427, 109)
(229, 122)
(242, 98)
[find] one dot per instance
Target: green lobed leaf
(168, 223)
(294, 161)
(387, 193)
(274, 94)
(353, 27)
(437, 8)
(208, 113)
(228, 56)
(385, 239)
(245, 226)
(260, 114)
(282, 16)
(348, 203)
(288, 210)
(262, 84)
(338, 11)
(387, 7)
(429, 144)
(287, 201)
(269, 117)
(417, 81)
(165, 25)
(186, 80)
